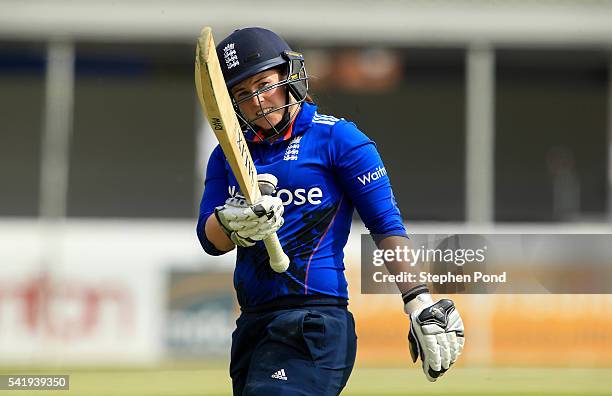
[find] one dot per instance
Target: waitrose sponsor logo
(371, 176)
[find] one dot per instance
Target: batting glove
(246, 224)
(436, 331)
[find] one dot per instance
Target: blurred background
(491, 116)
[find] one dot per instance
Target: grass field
(190, 381)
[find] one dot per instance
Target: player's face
(263, 103)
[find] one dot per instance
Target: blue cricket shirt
(326, 168)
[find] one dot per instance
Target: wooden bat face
(218, 107)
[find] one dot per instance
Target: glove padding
(436, 334)
(246, 224)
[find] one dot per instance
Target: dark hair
(282, 70)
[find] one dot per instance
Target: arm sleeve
(363, 176)
(215, 194)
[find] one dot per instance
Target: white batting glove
(436, 332)
(246, 224)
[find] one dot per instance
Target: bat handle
(278, 259)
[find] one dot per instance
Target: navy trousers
(290, 352)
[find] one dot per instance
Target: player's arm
(226, 221)
(236, 223)
(436, 329)
(436, 333)
(397, 267)
(211, 236)
(245, 224)
(216, 235)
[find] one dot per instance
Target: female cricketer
(295, 335)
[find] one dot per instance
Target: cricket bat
(217, 105)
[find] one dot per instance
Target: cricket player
(295, 335)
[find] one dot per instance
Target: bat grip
(278, 259)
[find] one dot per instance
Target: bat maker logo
(229, 54)
(245, 155)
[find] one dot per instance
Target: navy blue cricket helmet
(252, 50)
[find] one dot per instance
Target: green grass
(214, 381)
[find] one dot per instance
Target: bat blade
(219, 110)
(217, 105)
